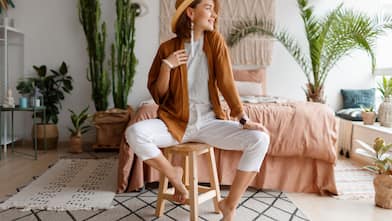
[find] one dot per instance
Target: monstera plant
(329, 38)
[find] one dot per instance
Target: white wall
(53, 34)
(285, 77)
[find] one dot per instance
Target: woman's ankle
(229, 204)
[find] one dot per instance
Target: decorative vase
(6, 21)
(383, 189)
(385, 112)
(368, 117)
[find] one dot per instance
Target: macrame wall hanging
(252, 50)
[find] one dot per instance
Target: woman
(184, 80)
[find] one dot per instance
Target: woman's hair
(183, 26)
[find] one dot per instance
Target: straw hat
(181, 5)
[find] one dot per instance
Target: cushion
(249, 75)
(358, 98)
(246, 88)
(250, 82)
(353, 114)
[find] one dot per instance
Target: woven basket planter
(110, 127)
(383, 189)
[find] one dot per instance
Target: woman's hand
(255, 126)
(177, 58)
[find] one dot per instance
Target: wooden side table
(35, 110)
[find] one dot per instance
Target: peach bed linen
(300, 158)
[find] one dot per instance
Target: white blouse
(200, 108)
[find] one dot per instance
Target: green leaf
(372, 169)
(63, 68)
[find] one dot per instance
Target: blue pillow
(353, 114)
(358, 98)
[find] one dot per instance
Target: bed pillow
(358, 98)
(353, 114)
(250, 82)
(246, 88)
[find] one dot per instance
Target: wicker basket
(110, 127)
(383, 189)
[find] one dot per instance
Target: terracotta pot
(368, 117)
(52, 136)
(75, 144)
(383, 189)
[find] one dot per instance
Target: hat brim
(185, 4)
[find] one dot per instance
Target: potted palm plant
(385, 109)
(382, 166)
(329, 39)
(79, 128)
(53, 88)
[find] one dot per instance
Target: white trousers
(144, 137)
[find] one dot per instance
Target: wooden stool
(190, 151)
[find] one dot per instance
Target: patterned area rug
(71, 184)
(254, 205)
(352, 181)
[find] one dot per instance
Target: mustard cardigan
(174, 105)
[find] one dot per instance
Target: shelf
(11, 29)
(376, 126)
(7, 141)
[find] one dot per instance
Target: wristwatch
(243, 120)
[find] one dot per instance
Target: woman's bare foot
(227, 211)
(180, 193)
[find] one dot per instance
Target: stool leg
(185, 177)
(193, 190)
(214, 178)
(163, 183)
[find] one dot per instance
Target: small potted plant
(368, 115)
(382, 166)
(78, 121)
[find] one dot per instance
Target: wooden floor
(17, 169)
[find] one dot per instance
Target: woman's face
(204, 15)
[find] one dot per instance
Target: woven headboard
(253, 50)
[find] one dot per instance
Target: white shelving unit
(11, 70)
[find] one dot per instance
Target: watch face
(243, 121)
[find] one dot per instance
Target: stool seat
(190, 152)
(188, 147)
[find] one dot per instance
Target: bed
(301, 156)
